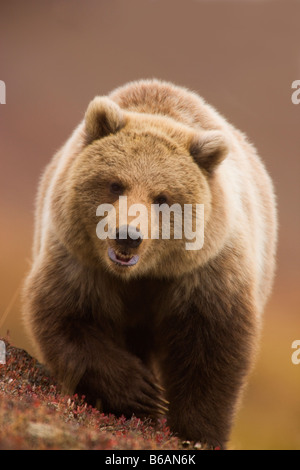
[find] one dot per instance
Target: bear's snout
(128, 237)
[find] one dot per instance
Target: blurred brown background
(242, 56)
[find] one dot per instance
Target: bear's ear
(209, 149)
(103, 117)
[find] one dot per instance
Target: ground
(35, 415)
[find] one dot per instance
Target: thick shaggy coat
(176, 332)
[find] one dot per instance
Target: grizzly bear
(142, 325)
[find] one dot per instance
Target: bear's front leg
(86, 355)
(205, 356)
(85, 361)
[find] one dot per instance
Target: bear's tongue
(121, 261)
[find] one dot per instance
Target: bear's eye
(161, 199)
(116, 188)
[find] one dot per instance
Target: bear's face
(132, 167)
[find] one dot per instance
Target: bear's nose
(128, 237)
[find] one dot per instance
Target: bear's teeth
(123, 257)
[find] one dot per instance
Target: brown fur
(193, 317)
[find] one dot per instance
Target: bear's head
(137, 196)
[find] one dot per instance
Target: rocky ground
(34, 415)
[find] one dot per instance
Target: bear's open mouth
(122, 259)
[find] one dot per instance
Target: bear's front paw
(135, 391)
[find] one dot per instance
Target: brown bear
(142, 325)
